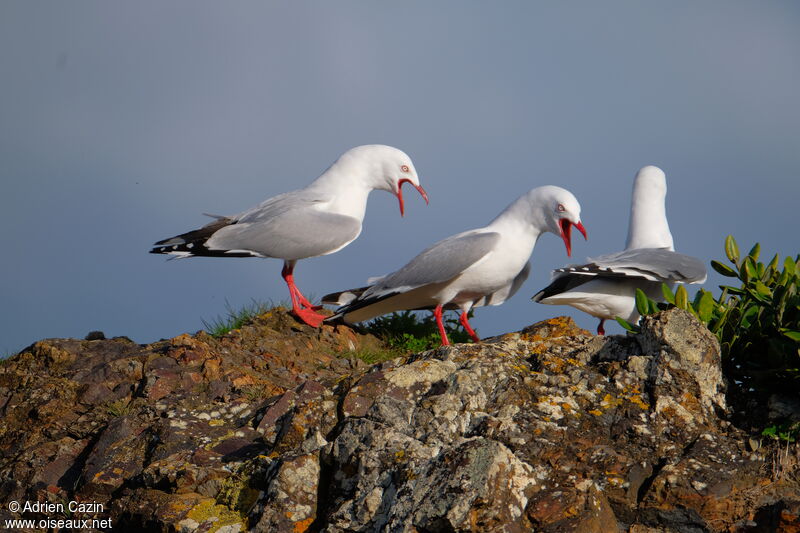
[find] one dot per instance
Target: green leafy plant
(703, 306)
(408, 332)
(757, 323)
(785, 431)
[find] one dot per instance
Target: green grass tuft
(119, 407)
(235, 318)
(407, 332)
(256, 392)
(375, 356)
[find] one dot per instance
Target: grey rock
(547, 429)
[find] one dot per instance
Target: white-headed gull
(484, 266)
(605, 287)
(318, 220)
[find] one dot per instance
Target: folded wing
(654, 264)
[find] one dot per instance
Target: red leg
(297, 296)
(468, 328)
(299, 301)
(438, 314)
(600, 329)
(304, 302)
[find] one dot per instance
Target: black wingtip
(161, 249)
(335, 320)
(335, 298)
(561, 284)
(331, 299)
(194, 241)
(185, 248)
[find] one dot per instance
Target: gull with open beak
(320, 219)
(605, 286)
(483, 266)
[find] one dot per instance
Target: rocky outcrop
(277, 427)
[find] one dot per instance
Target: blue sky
(120, 123)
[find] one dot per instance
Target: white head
(648, 226)
(548, 208)
(561, 211)
(382, 167)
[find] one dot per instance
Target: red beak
(400, 193)
(566, 230)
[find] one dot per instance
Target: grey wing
(498, 297)
(519, 280)
(277, 205)
(440, 262)
(289, 226)
(654, 264)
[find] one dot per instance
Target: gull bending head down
(483, 266)
(605, 287)
(320, 219)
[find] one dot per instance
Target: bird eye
(561, 208)
(404, 168)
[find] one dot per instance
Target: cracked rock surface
(276, 427)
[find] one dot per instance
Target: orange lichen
(610, 401)
(689, 401)
(302, 525)
(636, 399)
(539, 349)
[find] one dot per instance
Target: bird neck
(516, 221)
(648, 226)
(347, 198)
(348, 183)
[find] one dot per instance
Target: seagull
(483, 266)
(605, 287)
(320, 219)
